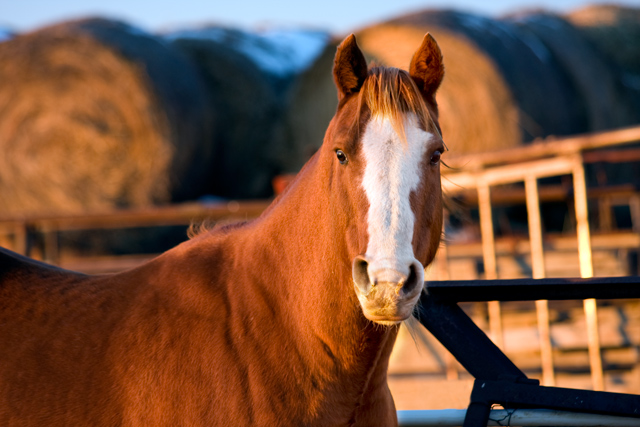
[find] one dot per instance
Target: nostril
(360, 274)
(412, 281)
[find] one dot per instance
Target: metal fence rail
(514, 417)
(497, 379)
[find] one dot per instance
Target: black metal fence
(497, 379)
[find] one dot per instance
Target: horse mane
(197, 228)
(391, 92)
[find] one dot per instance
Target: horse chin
(386, 321)
(387, 309)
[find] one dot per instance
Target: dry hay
(95, 114)
(247, 128)
(477, 111)
(602, 98)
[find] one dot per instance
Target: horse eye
(342, 158)
(435, 157)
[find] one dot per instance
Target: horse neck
(305, 231)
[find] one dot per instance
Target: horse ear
(426, 68)
(349, 67)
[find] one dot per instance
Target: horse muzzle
(387, 290)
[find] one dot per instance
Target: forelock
(391, 92)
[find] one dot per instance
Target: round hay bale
(248, 111)
(543, 93)
(95, 114)
(279, 82)
(477, 110)
(600, 92)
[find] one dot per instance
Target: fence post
(586, 270)
(21, 239)
(51, 245)
(489, 258)
(538, 272)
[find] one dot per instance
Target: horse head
(385, 145)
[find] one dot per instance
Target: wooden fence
(549, 158)
(20, 234)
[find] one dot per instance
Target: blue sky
(337, 16)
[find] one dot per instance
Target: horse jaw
(389, 279)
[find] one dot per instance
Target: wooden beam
(545, 148)
(508, 174)
(147, 217)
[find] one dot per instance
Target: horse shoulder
(174, 347)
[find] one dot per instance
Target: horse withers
(285, 320)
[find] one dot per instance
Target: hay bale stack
(95, 114)
(477, 110)
(600, 92)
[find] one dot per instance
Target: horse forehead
(382, 141)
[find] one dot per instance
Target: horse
(287, 319)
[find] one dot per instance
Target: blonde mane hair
(391, 92)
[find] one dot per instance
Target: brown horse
(281, 321)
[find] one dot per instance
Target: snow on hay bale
(477, 111)
(272, 85)
(97, 114)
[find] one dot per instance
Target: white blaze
(391, 173)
